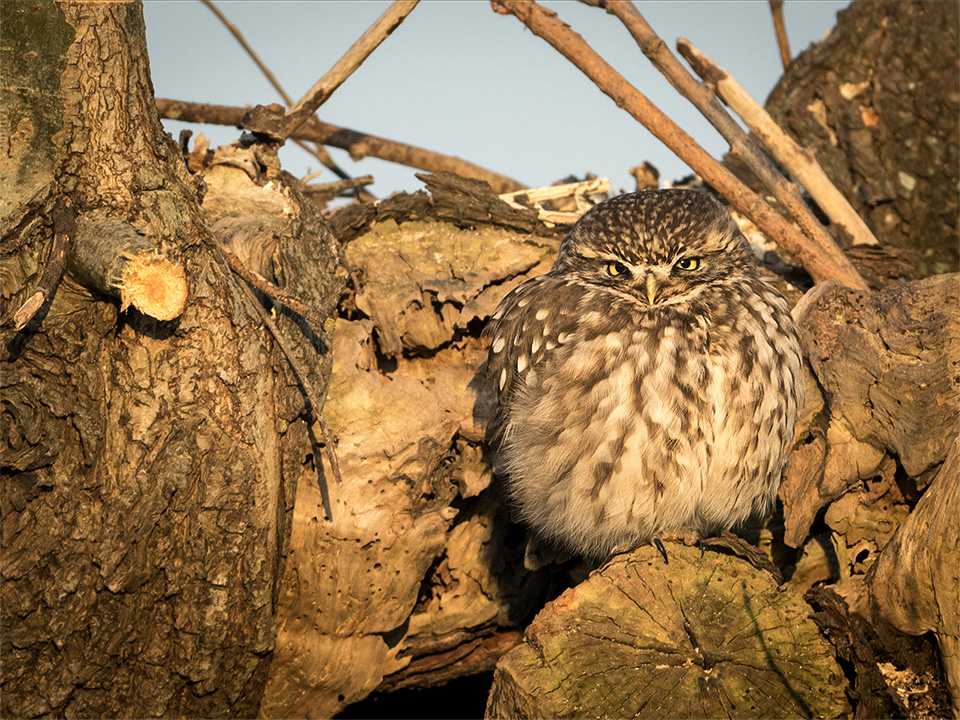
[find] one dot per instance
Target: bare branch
(312, 397)
(819, 262)
(780, 27)
(346, 65)
(358, 144)
(332, 189)
(235, 31)
(284, 297)
(318, 151)
(535, 197)
(798, 161)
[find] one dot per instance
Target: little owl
(648, 383)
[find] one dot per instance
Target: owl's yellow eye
(688, 263)
(616, 268)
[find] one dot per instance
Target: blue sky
(457, 78)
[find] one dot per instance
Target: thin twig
(64, 227)
(335, 188)
(284, 297)
(741, 145)
(358, 144)
(235, 31)
(545, 24)
(347, 64)
(798, 161)
(302, 377)
(780, 28)
(317, 151)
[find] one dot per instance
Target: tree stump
(706, 635)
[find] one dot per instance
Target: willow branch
(347, 64)
(545, 24)
(798, 161)
(780, 28)
(741, 145)
(358, 144)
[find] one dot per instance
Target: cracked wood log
(707, 635)
(418, 576)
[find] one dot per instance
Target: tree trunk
(877, 103)
(149, 466)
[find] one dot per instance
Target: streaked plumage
(649, 382)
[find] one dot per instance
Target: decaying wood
(879, 109)
(64, 227)
(706, 635)
(887, 366)
(820, 259)
(411, 589)
(914, 584)
(465, 202)
(535, 197)
(801, 164)
(358, 144)
(306, 106)
(780, 28)
(848, 634)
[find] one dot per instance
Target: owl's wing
(522, 332)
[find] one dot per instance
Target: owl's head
(655, 245)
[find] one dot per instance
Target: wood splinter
(110, 256)
(64, 227)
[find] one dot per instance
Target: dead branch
(820, 264)
(346, 65)
(313, 398)
(741, 145)
(284, 297)
(332, 189)
(646, 176)
(358, 144)
(64, 227)
(799, 162)
(780, 28)
(318, 151)
(535, 197)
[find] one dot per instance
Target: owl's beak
(653, 287)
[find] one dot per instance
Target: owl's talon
(657, 543)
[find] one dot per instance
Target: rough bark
(877, 101)
(148, 467)
(706, 635)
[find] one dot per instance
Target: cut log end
(705, 636)
(153, 285)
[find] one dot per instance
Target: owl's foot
(681, 536)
